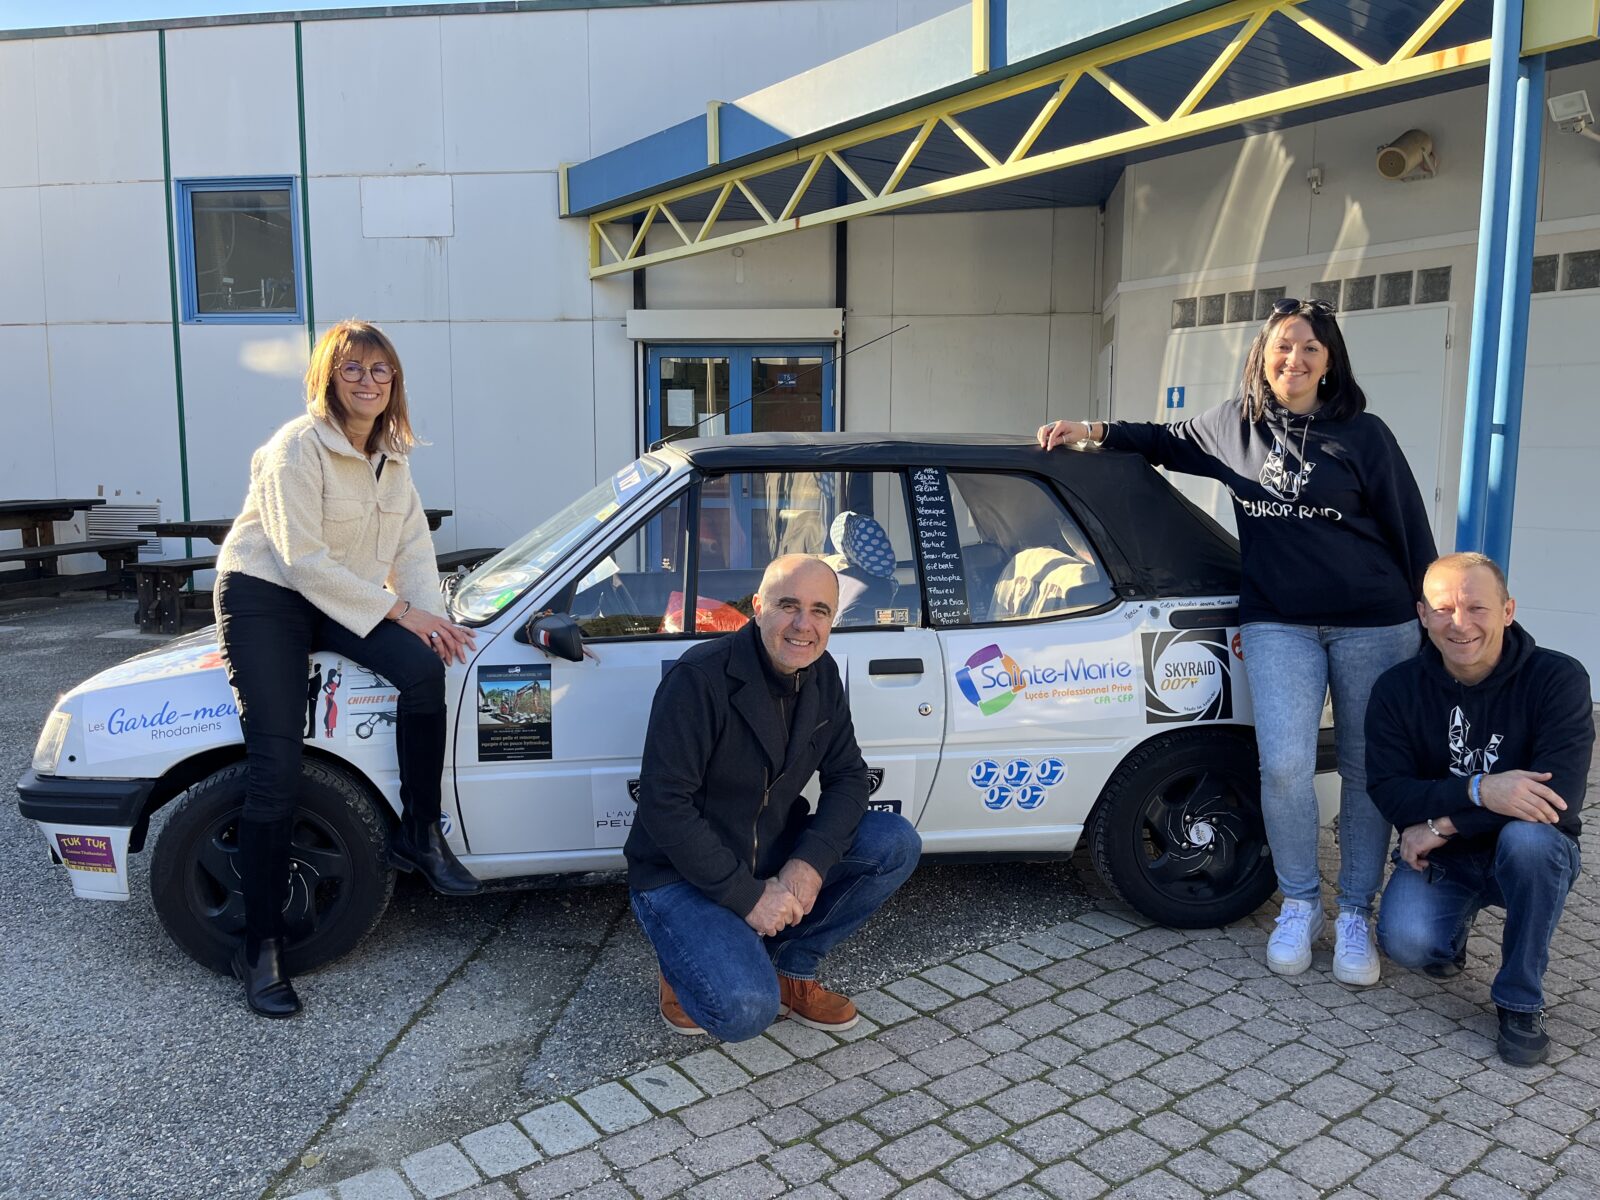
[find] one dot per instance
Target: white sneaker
(1355, 949)
(1300, 922)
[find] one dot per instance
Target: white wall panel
(1237, 203)
(116, 380)
(374, 102)
(407, 206)
(27, 452)
(1072, 366)
(105, 252)
(425, 351)
(21, 257)
(791, 271)
(616, 406)
(653, 67)
(1075, 234)
(1358, 207)
(867, 373)
(378, 279)
(871, 266)
(970, 374)
(1571, 164)
(980, 262)
(231, 104)
(513, 86)
(519, 454)
(240, 383)
(19, 127)
(511, 259)
(99, 108)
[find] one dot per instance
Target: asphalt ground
(129, 1071)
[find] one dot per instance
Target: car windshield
(500, 580)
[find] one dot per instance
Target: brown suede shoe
(807, 1001)
(672, 1012)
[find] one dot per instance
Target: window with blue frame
(239, 250)
(701, 390)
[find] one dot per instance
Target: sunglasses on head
(1287, 305)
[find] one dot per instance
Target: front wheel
(1178, 831)
(339, 876)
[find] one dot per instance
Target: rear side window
(1002, 548)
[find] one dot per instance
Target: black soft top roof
(1153, 541)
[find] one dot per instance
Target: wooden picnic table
(215, 530)
(37, 518)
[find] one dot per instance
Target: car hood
(193, 654)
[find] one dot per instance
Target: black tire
(1177, 832)
(340, 884)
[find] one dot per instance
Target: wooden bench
(162, 600)
(40, 574)
(453, 560)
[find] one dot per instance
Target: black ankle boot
(266, 987)
(427, 852)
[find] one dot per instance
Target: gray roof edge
(352, 13)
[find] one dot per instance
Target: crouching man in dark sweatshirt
(1478, 753)
(740, 886)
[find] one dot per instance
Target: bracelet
(1436, 831)
(1475, 789)
(403, 611)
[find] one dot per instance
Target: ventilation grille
(1393, 290)
(123, 521)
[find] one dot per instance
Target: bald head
(795, 607)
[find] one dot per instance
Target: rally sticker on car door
(1082, 682)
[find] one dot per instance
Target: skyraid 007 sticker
(1187, 676)
(514, 713)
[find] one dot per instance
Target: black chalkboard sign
(940, 544)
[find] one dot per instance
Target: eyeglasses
(1287, 305)
(354, 372)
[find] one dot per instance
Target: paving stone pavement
(1101, 1057)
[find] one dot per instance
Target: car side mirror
(555, 633)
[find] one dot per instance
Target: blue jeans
(726, 974)
(1291, 668)
(1528, 872)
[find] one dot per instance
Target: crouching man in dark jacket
(738, 883)
(1478, 753)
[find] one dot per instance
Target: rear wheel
(339, 877)
(1178, 831)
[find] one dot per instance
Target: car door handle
(894, 666)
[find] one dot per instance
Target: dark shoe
(672, 1012)
(266, 988)
(433, 858)
(1523, 1041)
(807, 1001)
(1447, 970)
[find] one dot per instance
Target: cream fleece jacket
(319, 520)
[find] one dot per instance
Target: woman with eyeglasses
(332, 552)
(1334, 541)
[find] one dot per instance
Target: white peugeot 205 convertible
(1039, 649)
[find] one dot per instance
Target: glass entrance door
(708, 390)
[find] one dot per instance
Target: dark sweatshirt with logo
(1428, 734)
(1332, 529)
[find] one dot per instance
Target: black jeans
(266, 634)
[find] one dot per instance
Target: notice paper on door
(514, 712)
(680, 406)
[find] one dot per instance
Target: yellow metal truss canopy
(1049, 104)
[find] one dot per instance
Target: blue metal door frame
(740, 356)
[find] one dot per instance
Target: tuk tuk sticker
(514, 713)
(86, 852)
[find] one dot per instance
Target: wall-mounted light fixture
(1409, 157)
(1571, 113)
(1314, 179)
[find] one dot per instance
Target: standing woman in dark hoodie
(1334, 542)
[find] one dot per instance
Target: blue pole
(1506, 432)
(1498, 138)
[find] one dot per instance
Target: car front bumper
(86, 824)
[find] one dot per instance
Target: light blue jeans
(1291, 669)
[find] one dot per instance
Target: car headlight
(47, 752)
